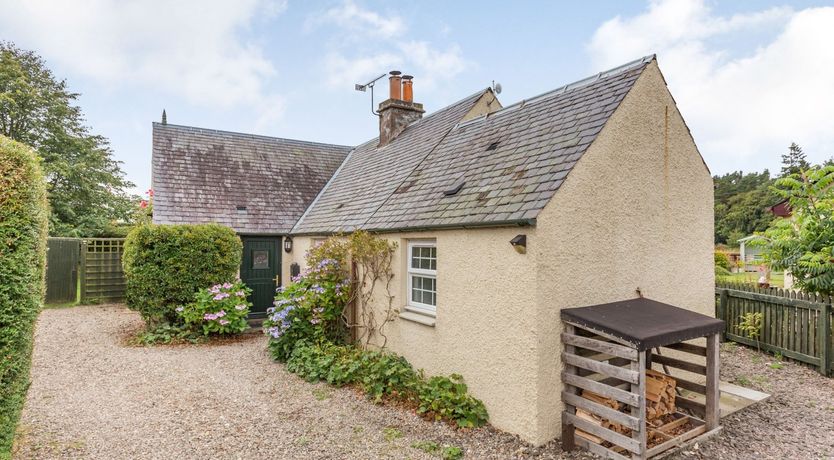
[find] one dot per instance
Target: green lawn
(776, 279)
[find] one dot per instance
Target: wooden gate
(102, 277)
(62, 259)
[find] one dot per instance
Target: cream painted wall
(635, 212)
(485, 327)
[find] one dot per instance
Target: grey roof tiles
(538, 141)
(203, 175)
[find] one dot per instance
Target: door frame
(279, 239)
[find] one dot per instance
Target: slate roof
(371, 174)
(203, 175)
(510, 163)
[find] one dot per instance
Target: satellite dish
(496, 87)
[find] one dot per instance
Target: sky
(749, 77)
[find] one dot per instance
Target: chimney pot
(395, 82)
(408, 89)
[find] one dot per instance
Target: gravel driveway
(94, 397)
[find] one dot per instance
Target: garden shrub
(309, 309)
(220, 309)
(722, 260)
(166, 265)
(23, 229)
(307, 332)
(449, 398)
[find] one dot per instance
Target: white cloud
(745, 102)
(194, 48)
(431, 65)
(362, 22)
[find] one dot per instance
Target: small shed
(616, 405)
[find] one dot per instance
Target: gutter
(482, 225)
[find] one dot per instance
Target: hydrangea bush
(220, 309)
(310, 309)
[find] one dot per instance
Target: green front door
(260, 268)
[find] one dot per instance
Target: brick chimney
(399, 110)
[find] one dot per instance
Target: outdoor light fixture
(519, 244)
(288, 245)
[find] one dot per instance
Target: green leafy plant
(429, 447)
(391, 433)
(220, 309)
(166, 334)
(448, 397)
(804, 244)
(384, 375)
(451, 453)
(751, 326)
(166, 265)
(23, 228)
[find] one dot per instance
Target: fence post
(82, 275)
(722, 310)
(825, 339)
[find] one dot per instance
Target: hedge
(24, 214)
(165, 266)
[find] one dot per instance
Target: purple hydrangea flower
(179, 309)
(241, 307)
(224, 322)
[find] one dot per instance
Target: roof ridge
(250, 135)
(581, 83)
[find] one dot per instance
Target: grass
(776, 279)
(390, 433)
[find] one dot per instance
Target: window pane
(260, 259)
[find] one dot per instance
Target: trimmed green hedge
(165, 266)
(24, 215)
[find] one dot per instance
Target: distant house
(591, 193)
(751, 255)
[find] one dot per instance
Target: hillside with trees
(743, 200)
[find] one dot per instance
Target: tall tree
(804, 244)
(794, 162)
(86, 186)
(742, 203)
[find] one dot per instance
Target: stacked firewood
(660, 395)
(597, 420)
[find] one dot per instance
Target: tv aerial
(496, 87)
(370, 85)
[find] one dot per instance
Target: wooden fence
(102, 277)
(796, 324)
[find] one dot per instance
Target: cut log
(593, 419)
(610, 402)
(660, 396)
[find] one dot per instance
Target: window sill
(419, 318)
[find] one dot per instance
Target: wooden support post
(568, 429)
(824, 331)
(640, 434)
(722, 308)
(713, 411)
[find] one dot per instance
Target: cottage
(504, 216)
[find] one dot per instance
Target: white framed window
(422, 276)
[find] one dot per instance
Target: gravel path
(94, 397)
(797, 422)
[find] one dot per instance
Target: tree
(742, 203)
(804, 244)
(85, 185)
(794, 162)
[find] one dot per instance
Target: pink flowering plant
(220, 309)
(309, 309)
